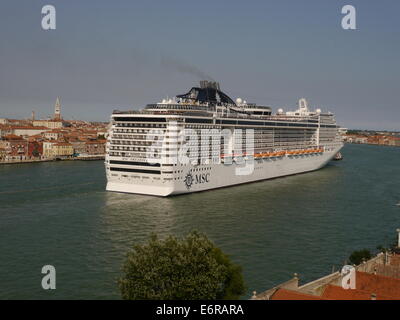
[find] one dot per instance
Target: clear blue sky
(109, 54)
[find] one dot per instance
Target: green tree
(190, 268)
(359, 255)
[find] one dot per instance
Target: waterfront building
(79, 146)
(48, 149)
(3, 153)
(16, 147)
(377, 139)
(54, 149)
(63, 149)
(35, 149)
(96, 147)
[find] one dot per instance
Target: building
(35, 149)
(5, 130)
(27, 131)
(3, 153)
(54, 134)
(16, 148)
(50, 124)
(63, 149)
(48, 149)
(54, 149)
(96, 147)
(79, 146)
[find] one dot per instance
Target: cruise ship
(204, 140)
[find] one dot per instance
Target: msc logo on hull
(199, 178)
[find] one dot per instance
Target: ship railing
(208, 114)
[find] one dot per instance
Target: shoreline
(92, 158)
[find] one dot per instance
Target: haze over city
(104, 56)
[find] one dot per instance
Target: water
(59, 214)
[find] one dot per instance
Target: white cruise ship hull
(212, 176)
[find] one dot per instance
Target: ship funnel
(209, 84)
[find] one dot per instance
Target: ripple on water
(59, 213)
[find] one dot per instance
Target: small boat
(398, 204)
(338, 156)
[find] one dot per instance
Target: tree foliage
(359, 255)
(190, 268)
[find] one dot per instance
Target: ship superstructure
(204, 140)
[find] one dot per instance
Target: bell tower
(57, 110)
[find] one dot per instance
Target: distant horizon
(49, 117)
(76, 106)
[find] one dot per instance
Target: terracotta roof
(29, 128)
(395, 260)
(380, 285)
(332, 292)
(13, 137)
(96, 142)
(284, 294)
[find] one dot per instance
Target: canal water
(59, 214)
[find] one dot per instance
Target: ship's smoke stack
(183, 67)
(209, 84)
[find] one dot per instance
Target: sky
(107, 55)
